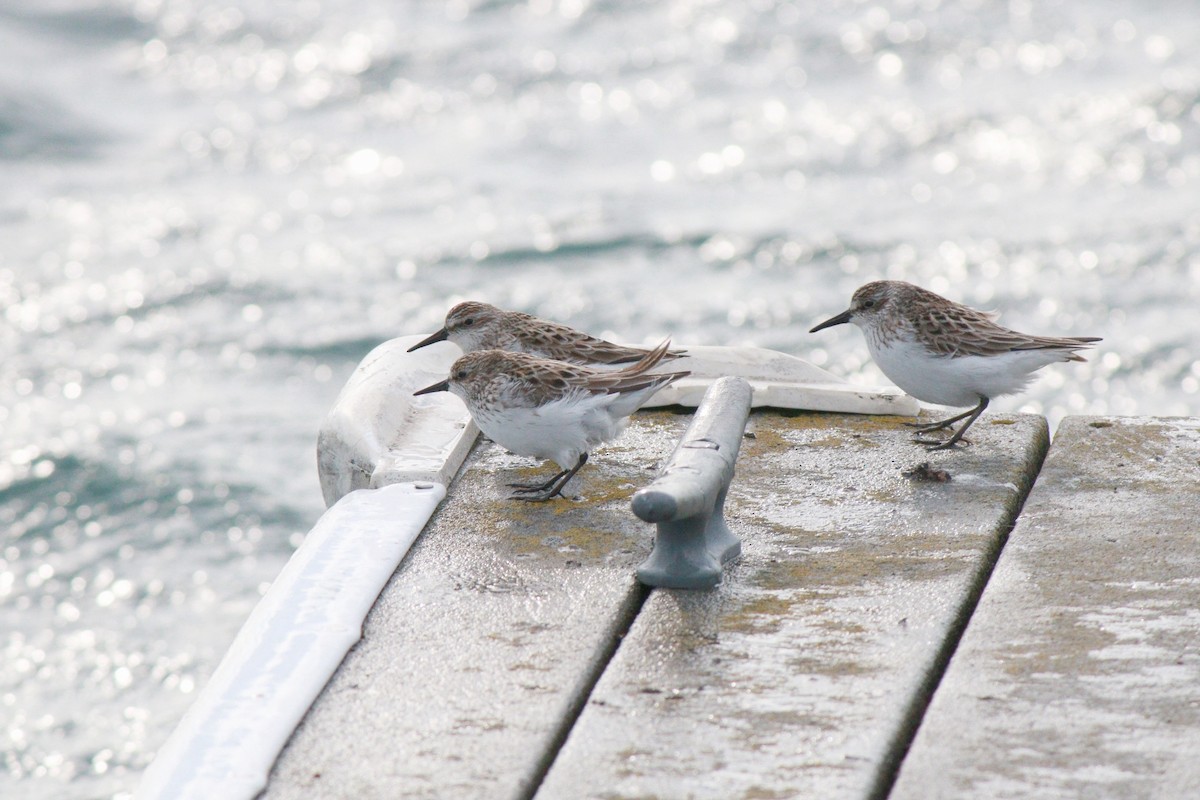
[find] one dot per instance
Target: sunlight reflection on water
(215, 211)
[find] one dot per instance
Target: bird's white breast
(560, 430)
(956, 380)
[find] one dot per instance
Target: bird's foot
(926, 427)
(934, 444)
(538, 487)
(534, 494)
(551, 488)
(531, 487)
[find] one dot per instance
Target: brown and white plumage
(550, 409)
(944, 352)
(475, 326)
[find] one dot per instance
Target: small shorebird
(943, 352)
(475, 326)
(549, 409)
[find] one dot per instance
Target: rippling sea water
(211, 210)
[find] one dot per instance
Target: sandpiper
(943, 352)
(550, 409)
(475, 326)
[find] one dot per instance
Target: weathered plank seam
(624, 620)
(897, 749)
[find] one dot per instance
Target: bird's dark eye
(868, 303)
(468, 322)
(458, 376)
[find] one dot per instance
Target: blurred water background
(212, 209)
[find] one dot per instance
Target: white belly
(561, 431)
(958, 380)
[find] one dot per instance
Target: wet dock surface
(514, 655)
(1079, 675)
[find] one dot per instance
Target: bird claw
(530, 487)
(926, 427)
(538, 492)
(934, 444)
(534, 495)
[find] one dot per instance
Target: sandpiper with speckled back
(946, 353)
(475, 326)
(550, 409)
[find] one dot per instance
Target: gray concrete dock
(514, 655)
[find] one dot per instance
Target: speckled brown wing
(635, 376)
(602, 352)
(957, 330)
(543, 380)
(1069, 343)
(561, 341)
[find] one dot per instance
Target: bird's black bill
(829, 323)
(440, 386)
(440, 336)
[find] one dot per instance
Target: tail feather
(1067, 344)
(633, 385)
(649, 360)
(623, 357)
(638, 376)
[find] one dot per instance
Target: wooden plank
(802, 675)
(1079, 675)
(481, 648)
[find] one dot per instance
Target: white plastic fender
(289, 647)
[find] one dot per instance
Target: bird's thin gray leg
(537, 487)
(972, 415)
(555, 486)
(926, 427)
